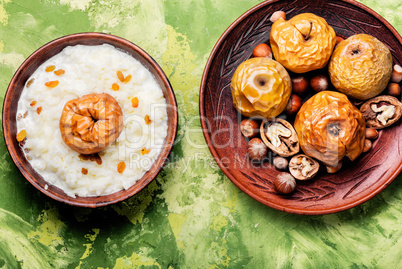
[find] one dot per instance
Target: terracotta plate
(32, 63)
(357, 182)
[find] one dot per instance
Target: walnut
(280, 136)
(381, 111)
(303, 167)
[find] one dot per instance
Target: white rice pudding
(92, 70)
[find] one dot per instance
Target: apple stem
(308, 35)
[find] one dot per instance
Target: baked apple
(260, 87)
(330, 127)
(360, 67)
(303, 43)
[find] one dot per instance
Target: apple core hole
(334, 129)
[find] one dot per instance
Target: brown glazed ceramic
(32, 63)
(356, 182)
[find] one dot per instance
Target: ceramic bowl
(25, 71)
(357, 181)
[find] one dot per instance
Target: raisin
(52, 84)
(59, 72)
(92, 157)
(33, 103)
(21, 135)
(127, 79)
(115, 87)
(120, 76)
(135, 102)
(29, 83)
(84, 171)
(50, 68)
(147, 120)
(145, 151)
(39, 110)
(121, 167)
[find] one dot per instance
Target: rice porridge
(81, 76)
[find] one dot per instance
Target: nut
(338, 39)
(367, 145)
(303, 167)
(262, 50)
(299, 85)
(394, 89)
(256, 150)
(278, 14)
(396, 74)
(280, 136)
(280, 163)
(285, 183)
(294, 104)
(371, 133)
(249, 128)
(334, 169)
(319, 83)
(381, 111)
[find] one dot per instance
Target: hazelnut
(262, 50)
(249, 128)
(338, 39)
(294, 104)
(367, 145)
(285, 183)
(396, 74)
(280, 163)
(371, 133)
(257, 150)
(278, 14)
(394, 89)
(299, 85)
(319, 83)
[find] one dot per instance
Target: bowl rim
(92, 201)
(226, 171)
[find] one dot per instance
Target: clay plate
(357, 182)
(25, 71)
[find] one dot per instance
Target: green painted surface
(191, 216)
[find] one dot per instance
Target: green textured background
(191, 216)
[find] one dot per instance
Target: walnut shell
(90, 123)
(330, 127)
(285, 143)
(303, 167)
(381, 118)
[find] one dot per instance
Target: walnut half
(303, 167)
(381, 111)
(280, 136)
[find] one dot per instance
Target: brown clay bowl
(357, 182)
(25, 71)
